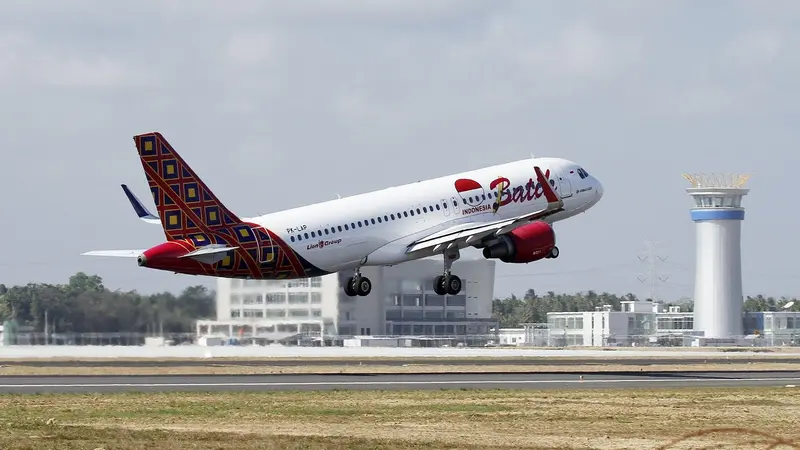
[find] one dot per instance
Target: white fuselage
(376, 228)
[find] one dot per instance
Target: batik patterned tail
(185, 204)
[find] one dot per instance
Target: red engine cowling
(525, 244)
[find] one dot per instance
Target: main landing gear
(448, 283)
(357, 285)
(553, 253)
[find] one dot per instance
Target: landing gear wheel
(350, 287)
(439, 286)
(364, 286)
(453, 284)
(553, 253)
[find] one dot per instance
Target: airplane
(507, 210)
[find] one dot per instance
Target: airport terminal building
(402, 303)
(644, 323)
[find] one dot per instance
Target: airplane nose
(598, 188)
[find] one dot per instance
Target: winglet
(548, 191)
(140, 209)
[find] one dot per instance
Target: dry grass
(609, 353)
(467, 419)
(266, 368)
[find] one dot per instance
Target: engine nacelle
(165, 255)
(525, 244)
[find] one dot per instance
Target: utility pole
(652, 258)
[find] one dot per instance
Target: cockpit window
(582, 173)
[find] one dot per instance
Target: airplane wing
(140, 209)
(464, 235)
(208, 254)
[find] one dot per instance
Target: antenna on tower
(653, 259)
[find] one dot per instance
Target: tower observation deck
(718, 216)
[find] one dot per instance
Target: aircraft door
(445, 207)
(454, 205)
(566, 185)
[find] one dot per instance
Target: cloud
(577, 51)
(23, 61)
(325, 13)
(251, 48)
(754, 50)
(352, 106)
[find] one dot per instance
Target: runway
(499, 361)
(263, 383)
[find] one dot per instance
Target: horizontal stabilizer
(115, 253)
(139, 207)
(209, 254)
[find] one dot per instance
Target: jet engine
(525, 244)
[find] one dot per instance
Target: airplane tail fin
(184, 203)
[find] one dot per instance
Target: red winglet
(549, 194)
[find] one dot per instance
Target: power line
(652, 259)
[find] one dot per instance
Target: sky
(281, 104)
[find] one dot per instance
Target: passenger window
(292, 238)
(340, 228)
(385, 218)
(299, 238)
(425, 208)
(306, 235)
(405, 214)
(359, 224)
(392, 216)
(418, 211)
(373, 221)
(346, 227)
(326, 231)
(313, 235)
(437, 207)
(412, 212)
(352, 225)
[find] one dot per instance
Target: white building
(511, 336)
(633, 325)
(402, 303)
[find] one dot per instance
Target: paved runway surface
(165, 383)
(405, 361)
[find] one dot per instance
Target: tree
(84, 304)
(512, 311)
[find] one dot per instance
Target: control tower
(718, 216)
